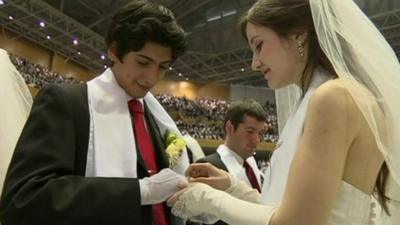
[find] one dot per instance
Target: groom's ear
(229, 129)
(113, 53)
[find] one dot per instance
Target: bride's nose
(255, 63)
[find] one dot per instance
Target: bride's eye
(259, 46)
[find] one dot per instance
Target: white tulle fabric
(287, 99)
(16, 104)
(362, 56)
(369, 61)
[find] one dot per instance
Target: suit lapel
(158, 139)
(218, 161)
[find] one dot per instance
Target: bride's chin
(277, 85)
(273, 85)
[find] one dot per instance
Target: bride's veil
(16, 103)
(361, 55)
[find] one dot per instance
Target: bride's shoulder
(345, 91)
(332, 109)
(336, 86)
(333, 98)
(333, 91)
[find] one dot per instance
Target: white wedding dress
(352, 205)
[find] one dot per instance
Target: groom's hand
(208, 174)
(160, 187)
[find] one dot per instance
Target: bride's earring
(300, 48)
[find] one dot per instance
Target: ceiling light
(214, 18)
(230, 13)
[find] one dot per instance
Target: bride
(340, 146)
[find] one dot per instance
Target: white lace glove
(204, 219)
(159, 187)
(242, 190)
(201, 198)
(238, 189)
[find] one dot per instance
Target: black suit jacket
(45, 183)
(215, 159)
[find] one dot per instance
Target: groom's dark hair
(141, 21)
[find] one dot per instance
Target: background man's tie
(251, 176)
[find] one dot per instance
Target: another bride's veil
(286, 103)
(360, 54)
(16, 103)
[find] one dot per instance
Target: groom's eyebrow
(251, 128)
(152, 60)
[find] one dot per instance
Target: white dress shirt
(234, 164)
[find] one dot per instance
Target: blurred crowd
(202, 118)
(36, 75)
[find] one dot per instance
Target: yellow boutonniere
(175, 146)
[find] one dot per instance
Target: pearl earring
(300, 48)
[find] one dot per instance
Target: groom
(89, 153)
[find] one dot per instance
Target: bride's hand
(208, 174)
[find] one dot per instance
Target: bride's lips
(265, 73)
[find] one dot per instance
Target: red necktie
(148, 153)
(251, 176)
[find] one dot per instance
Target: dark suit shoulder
(72, 93)
(70, 98)
(214, 159)
(211, 157)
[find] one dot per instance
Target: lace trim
(180, 208)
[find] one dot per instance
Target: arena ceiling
(217, 52)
